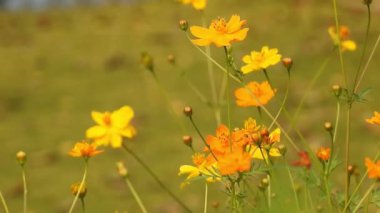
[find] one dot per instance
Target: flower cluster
(231, 152)
(342, 38)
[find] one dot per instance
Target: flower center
(219, 25)
(107, 119)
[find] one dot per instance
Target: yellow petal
(234, 23)
(349, 45)
(98, 117)
(96, 132)
(247, 59)
(275, 136)
(199, 4)
(116, 140)
(201, 42)
(200, 32)
(128, 132)
(274, 152)
(121, 118)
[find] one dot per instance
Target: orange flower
(84, 149)
(221, 143)
(375, 119)
(373, 169)
(323, 153)
(304, 160)
(235, 161)
(220, 32)
(254, 94)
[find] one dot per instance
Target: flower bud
(183, 25)
(171, 59)
(147, 61)
(287, 62)
(121, 169)
(215, 204)
(328, 126)
(264, 132)
(75, 189)
(188, 111)
(352, 170)
(188, 140)
(337, 90)
(265, 182)
(21, 157)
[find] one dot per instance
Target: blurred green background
(59, 64)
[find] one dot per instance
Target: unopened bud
(337, 90)
(351, 169)
(75, 189)
(21, 157)
(188, 111)
(328, 126)
(121, 169)
(215, 204)
(188, 140)
(265, 181)
(147, 61)
(183, 25)
(171, 59)
(287, 62)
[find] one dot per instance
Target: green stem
(206, 196)
(367, 64)
(327, 188)
(339, 44)
(336, 121)
(282, 105)
(135, 195)
(5, 206)
(25, 190)
(359, 184)
(364, 47)
(83, 204)
(167, 99)
(308, 89)
(364, 197)
(203, 139)
(293, 187)
(228, 96)
(347, 155)
(267, 77)
(81, 185)
(154, 176)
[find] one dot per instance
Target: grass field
(58, 65)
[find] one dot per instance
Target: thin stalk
(203, 139)
(81, 185)
(167, 99)
(327, 188)
(359, 184)
(210, 70)
(364, 46)
(228, 96)
(364, 197)
(308, 89)
(269, 191)
(293, 187)
(25, 190)
(135, 195)
(336, 121)
(347, 155)
(282, 105)
(154, 176)
(367, 64)
(83, 204)
(339, 44)
(206, 197)
(5, 206)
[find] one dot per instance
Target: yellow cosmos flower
(193, 172)
(375, 119)
(342, 36)
(260, 60)
(197, 4)
(220, 32)
(254, 94)
(84, 149)
(111, 127)
(262, 154)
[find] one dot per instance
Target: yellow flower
(260, 60)
(254, 94)
(220, 32)
(84, 149)
(343, 35)
(375, 119)
(111, 127)
(262, 153)
(197, 4)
